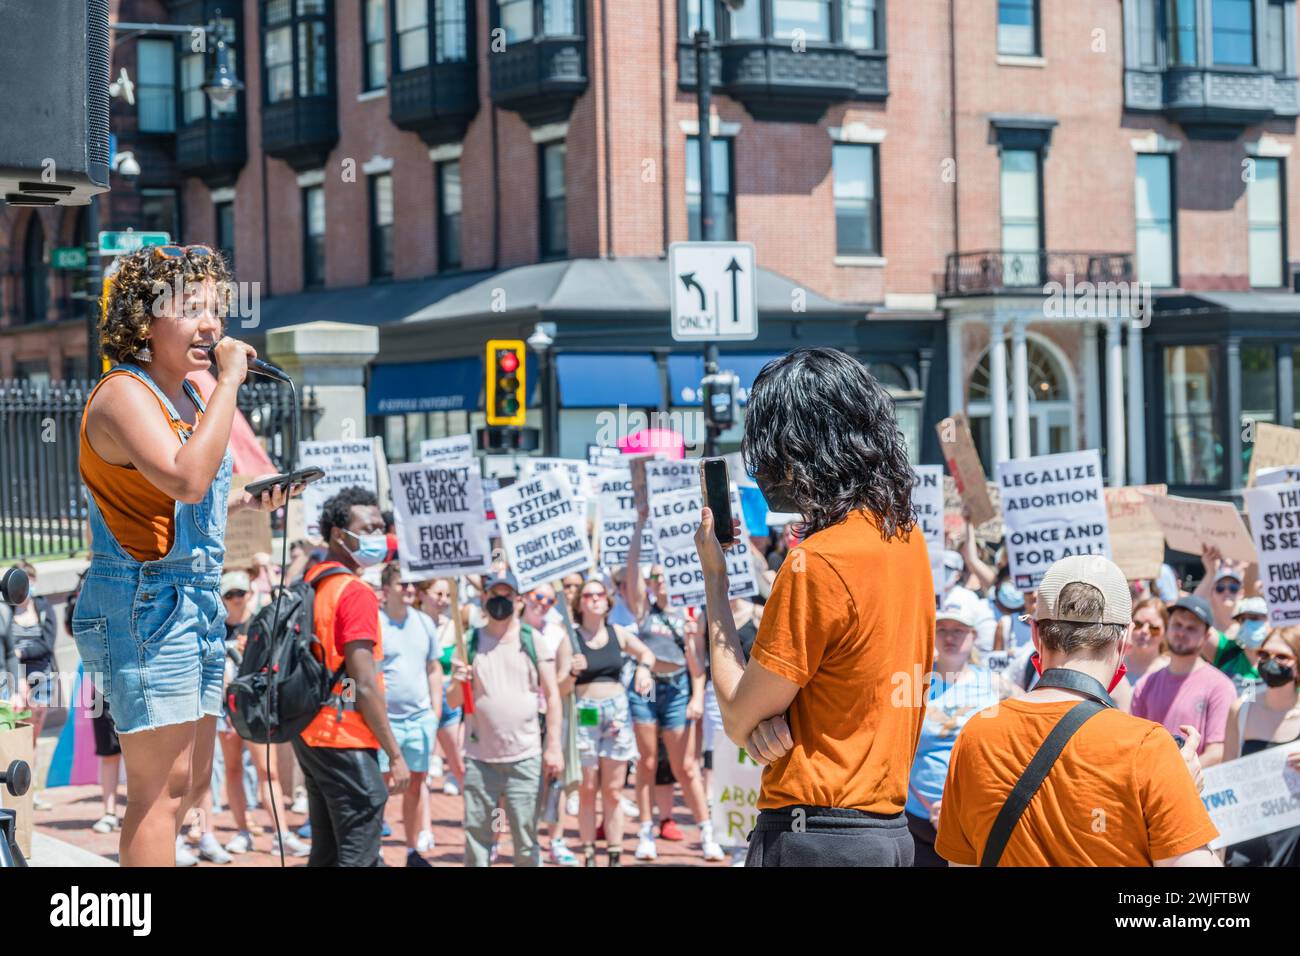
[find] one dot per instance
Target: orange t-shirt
(1120, 794)
(851, 621)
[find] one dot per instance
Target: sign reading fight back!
(441, 528)
(542, 528)
(737, 780)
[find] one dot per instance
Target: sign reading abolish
(617, 521)
(1275, 524)
(737, 779)
(346, 463)
(927, 498)
(446, 452)
(441, 529)
(1053, 507)
(1252, 796)
(543, 529)
(675, 516)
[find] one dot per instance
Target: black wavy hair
(337, 511)
(822, 428)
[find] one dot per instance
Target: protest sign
(602, 456)
(345, 462)
(1053, 507)
(542, 528)
(662, 477)
(1190, 523)
(737, 780)
(964, 465)
(247, 532)
(1276, 476)
(1252, 796)
(617, 519)
(441, 529)
(675, 516)
(1275, 524)
(453, 450)
(1275, 446)
(574, 469)
(1137, 544)
(927, 498)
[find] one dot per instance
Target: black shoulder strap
(1033, 778)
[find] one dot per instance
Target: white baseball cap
(957, 607)
(1092, 569)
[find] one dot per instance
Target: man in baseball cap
(1081, 630)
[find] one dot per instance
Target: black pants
(923, 835)
(826, 836)
(346, 797)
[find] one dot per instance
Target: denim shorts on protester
(611, 738)
(449, 715)
(152, 634)
(668, 708)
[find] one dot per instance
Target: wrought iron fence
(993, 271)
(42, 509)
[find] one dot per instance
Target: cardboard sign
(247, 533)
(617, 509)
(927, 499)
(1053, 507)
(441, 529)
(1189, 523)
(964, 465)
(543, 530)
(446, 452)
(1275, 446)
(675, 516)
(346, 463)
(1136, 542)
(1275, 524)
(1252, 796)
(737, 781)
(990, 532)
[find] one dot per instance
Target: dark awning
(605, 379)
(446, 385)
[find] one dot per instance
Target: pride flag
(74, 762)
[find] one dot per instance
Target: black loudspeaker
(54, 68)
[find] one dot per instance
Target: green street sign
(71, 257)
(124, 243)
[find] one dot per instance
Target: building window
(155, 89)
(35, 275)
(313, 236)
(692, 21)
(859, 23)
(1232, 24)
(226, 232)
(1051, 405)
(857, 211)
(559, 17)
(1148, 14)
(805, 19)
(747, 22)
(1275, 37)
(375, 54)
(1193, 444)
(1155, 220)
(160, 212)
(1265, 209)
(1018, 27)
(412, 34)
(313, 59)
(516, 18)
(381, 226)
(1180, 17)
(449, 215)
(554, 227)
(1022, 226)
(295, 41)
(452, 41)
(278, 53)
(723, 206)
(1258, 393)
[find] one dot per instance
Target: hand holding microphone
(236, 359)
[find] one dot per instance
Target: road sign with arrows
(714, 294)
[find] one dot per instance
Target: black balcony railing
(540, 78)
(213, 149)
(1005, 271)
(301, 130)
(437, 101)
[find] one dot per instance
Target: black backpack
(282, 685)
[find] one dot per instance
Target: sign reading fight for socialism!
(453, 450)
(927, 498)
(675, 516)
(737, 779)
(346, 463)
(617, 520)
(1252, 796)
(1053, 507)
(440, 524)
(1275, 523)
(543, 529)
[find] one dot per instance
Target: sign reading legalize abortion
(1053, 507)
(441, 528)
(542, 528)
(675, 516)
(346, 462)
(1275, 525)
(737, 780)
(927, 498)
(1252, 796)
(618, 520)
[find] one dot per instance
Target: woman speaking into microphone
(149, 624)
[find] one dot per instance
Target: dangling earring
(144, 355)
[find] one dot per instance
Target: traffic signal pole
(708, 230)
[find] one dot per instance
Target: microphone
(13, 586)
(258, 367)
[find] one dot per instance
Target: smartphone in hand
(715, 488)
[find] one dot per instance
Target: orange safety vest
(339, 724)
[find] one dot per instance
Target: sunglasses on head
(1227, 588)
(170, 251)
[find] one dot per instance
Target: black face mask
(1275, 673)
(499, 607)
(776, 497)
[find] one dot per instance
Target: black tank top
(1249, 747)
(604, 663)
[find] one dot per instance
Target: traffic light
(719, 399)
(506, 402)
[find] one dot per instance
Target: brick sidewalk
(76, 808)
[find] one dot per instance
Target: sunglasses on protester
(594, 594)
(1227, 588)
(171, 251)
(236, 594)
(654, 576)
(543, 601)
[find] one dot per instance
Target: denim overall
(152, 634)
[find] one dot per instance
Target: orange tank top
(140, 516)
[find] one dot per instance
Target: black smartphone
(715, 487)
(304, 476)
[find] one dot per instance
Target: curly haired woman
(149, 623)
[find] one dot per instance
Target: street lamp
(223, 84)
(541, 341)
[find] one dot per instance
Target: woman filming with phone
(154, 458)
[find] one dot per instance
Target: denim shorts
(667, 707)
(611, 738)
(449, 715)
(415, 738)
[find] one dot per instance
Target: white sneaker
(299, 800)
(210, 850)
(424, 842)
(712, 850)
(571, 804)
(242, 843)
(645, 849)
(435, 767)
(106, 824)
(40, 803)
(183, 855)
(451, 788)
(630, 809)
(292, 846)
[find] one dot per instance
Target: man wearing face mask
(339, 750)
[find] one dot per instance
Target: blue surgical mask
(373, 549)
(1252, 632)
(1010, 597)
